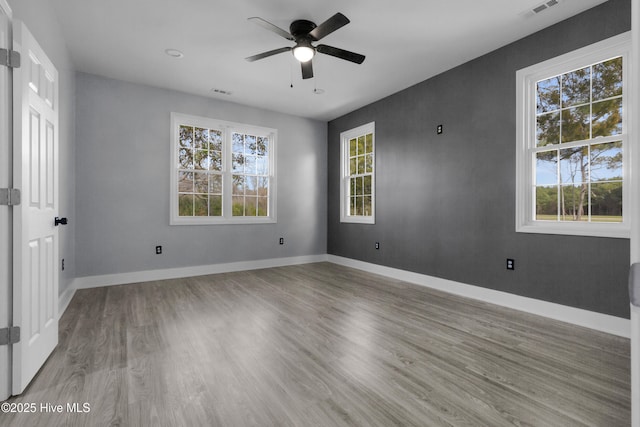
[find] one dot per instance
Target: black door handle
(62, 221)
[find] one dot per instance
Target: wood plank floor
(321, 345)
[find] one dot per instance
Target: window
(572, 159)
(357, 190)
(222, 172)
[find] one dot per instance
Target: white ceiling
(405, 42)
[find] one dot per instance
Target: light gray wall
(40, 19)
(446, 203)
(123, 186)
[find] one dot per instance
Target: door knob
(62, 221)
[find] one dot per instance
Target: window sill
(614, 231)
(221, 221)
(358, 220)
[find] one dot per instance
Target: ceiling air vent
(221, 91)
(544, 6)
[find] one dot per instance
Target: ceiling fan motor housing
(301, 29)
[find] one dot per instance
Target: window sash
(263, 203)
(527, 139)
(348, 200)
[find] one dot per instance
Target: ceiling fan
(305, 32)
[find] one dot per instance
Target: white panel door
(35, 246)
(5, 182)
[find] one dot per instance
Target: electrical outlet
(158, 250)
(439, 129)
(377, 245)
(282, 240)
(62, 264)
(511, 264)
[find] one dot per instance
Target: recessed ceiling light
(174, 53)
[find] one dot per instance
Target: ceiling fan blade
(269, 26)
(329, 26)
(267, 54)
(307, 70)
(340, 53)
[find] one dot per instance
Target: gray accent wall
(40, 19)
(446, 203)
(123, 175)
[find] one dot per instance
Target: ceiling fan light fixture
(304, 52)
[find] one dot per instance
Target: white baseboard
(65, 298)
(598, 321)
(201, 270)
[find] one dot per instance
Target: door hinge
(9, 58)
(10, 335)
(9, 196)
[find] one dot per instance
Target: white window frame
(344, 175)
(526, 80)
(228, 128)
